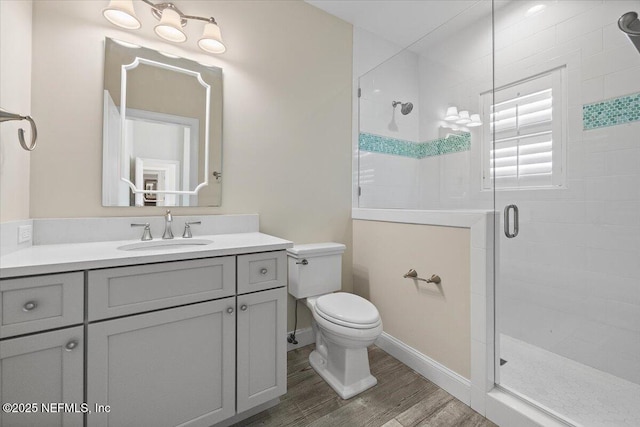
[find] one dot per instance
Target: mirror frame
(117, 175)
(123, 117)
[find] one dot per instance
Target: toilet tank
(322, 274)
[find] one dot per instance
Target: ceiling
(399, 21)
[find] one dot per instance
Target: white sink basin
(162, 245)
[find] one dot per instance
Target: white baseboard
(304, 338)
(443, 377)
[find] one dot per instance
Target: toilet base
(319, 364)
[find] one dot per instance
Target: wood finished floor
(401, 398)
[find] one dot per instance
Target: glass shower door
(563, 160)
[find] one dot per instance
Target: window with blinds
(524, 142)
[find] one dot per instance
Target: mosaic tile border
(400, 147)
(386, 145)
(611, 112)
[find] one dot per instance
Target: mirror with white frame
(162, 129)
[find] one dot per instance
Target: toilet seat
(347, 310)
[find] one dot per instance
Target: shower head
(405, 107)
(630, 25)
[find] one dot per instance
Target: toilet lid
(347, 309)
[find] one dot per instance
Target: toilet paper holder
(412, 274)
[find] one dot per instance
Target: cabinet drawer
(32, 304)
(127, 290)
(265, 270)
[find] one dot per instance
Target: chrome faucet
(168, 219)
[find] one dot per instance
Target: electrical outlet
(25, 233)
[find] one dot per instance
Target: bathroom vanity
(187, 335)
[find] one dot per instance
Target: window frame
(558, 128)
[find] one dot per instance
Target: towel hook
(6, 116)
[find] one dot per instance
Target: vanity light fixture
(475, 121)
(211, 40)
(452, 114)
(464, 118)
(457, 120)
(122, 14)
(170, 26)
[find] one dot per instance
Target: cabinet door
(166, 368)
(43, 368)
(262, 347)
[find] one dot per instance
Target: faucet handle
(187, 229)
(146, 235)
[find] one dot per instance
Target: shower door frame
(488, 397)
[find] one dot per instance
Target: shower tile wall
(455, 68)
(389, 181)
(386, 180)
(571, 280)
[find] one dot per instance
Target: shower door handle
(507, 220)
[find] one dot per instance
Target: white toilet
(344, 324)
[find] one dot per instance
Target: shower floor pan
(587, 396)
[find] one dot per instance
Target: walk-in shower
(557, 92)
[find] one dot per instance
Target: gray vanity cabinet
(165, 368)
(44, 368)
(262, 347)
(161, 341)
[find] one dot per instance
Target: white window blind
(524, 139)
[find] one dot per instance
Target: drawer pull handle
(71, 345)
(243, 307)
(230, 310)
(263, 271)
(29, 306)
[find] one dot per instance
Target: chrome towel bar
(412, 274)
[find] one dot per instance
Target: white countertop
(44, 259)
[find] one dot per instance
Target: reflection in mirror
(162, 130)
